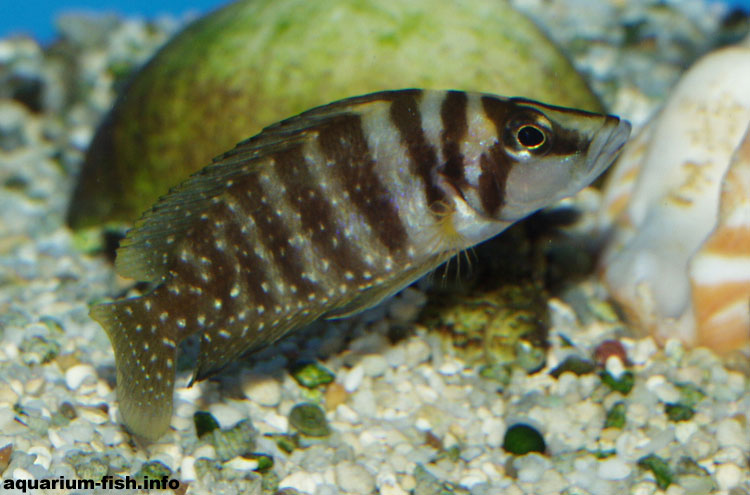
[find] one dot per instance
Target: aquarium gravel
(343, 408)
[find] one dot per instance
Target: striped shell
(677, 211)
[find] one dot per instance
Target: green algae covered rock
(255, 62)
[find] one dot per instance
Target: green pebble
(154, 470)
(690, 395)
(309, 419)
(204, 423)
(312, 375)
(38, 350)
(285, 441)
(660, 468)
(678, 412)
(521, 439)
(265, 461)
(237, 440)
(575, 364)
(615, 416)
(624, 384)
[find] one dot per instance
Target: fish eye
(530, 136)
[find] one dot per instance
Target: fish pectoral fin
(378, 292)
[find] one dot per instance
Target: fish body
(325, 214)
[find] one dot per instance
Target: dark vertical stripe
(495, 164)
(406, 116)
(497, 111)
(271, 230)
(316, 214)
(343, 141)
(495, 167)
(455, 127)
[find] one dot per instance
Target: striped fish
(325, 214)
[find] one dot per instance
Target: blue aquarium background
(36, 17)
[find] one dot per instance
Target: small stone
(730, 433)
(5, 453)
(657, 465)
(616, 416)
(728, 476)
(531, 467)
(312, 375)
(79, 374)
(623, 384)
(235, 441)
(610, 348)
(678, 412)
(153, 470)
(521, 439)
(353, 378)
(354, 478)
(374, 365)
(574, 364)
(303, 481)
(613, 469)
(335, 395)
(204, 423)
(309, 419)
(261, 389)
(241, 463)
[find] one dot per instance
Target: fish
(327, 213)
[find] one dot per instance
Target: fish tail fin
(145, 354)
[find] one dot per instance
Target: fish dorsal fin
(149, 248)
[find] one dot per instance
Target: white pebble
(302, 481)
(531, 467)
(613, 469)
(354, 478)
(614, 366)
(22, 474)
(43, 455)
(7, 394)
(226, 415)
(79, 374)
(374, 365)
(353, 378)
(728, 476)
(187, 469)
(730, 433)
(261, 389)
(239, 463)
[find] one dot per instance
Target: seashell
(676, 211)
(253, 62)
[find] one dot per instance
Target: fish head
(543, 153)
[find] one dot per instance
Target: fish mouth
(606, 145)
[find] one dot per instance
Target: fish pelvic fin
(145, 356)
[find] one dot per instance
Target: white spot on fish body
(201, 319)
(147, 305)
(181, 322)
(261, 309)
(223, 333)
(235, 291)
(217, 303)
(163, 316)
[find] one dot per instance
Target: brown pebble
(5, 453)
(610, 348)
(335, 394)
